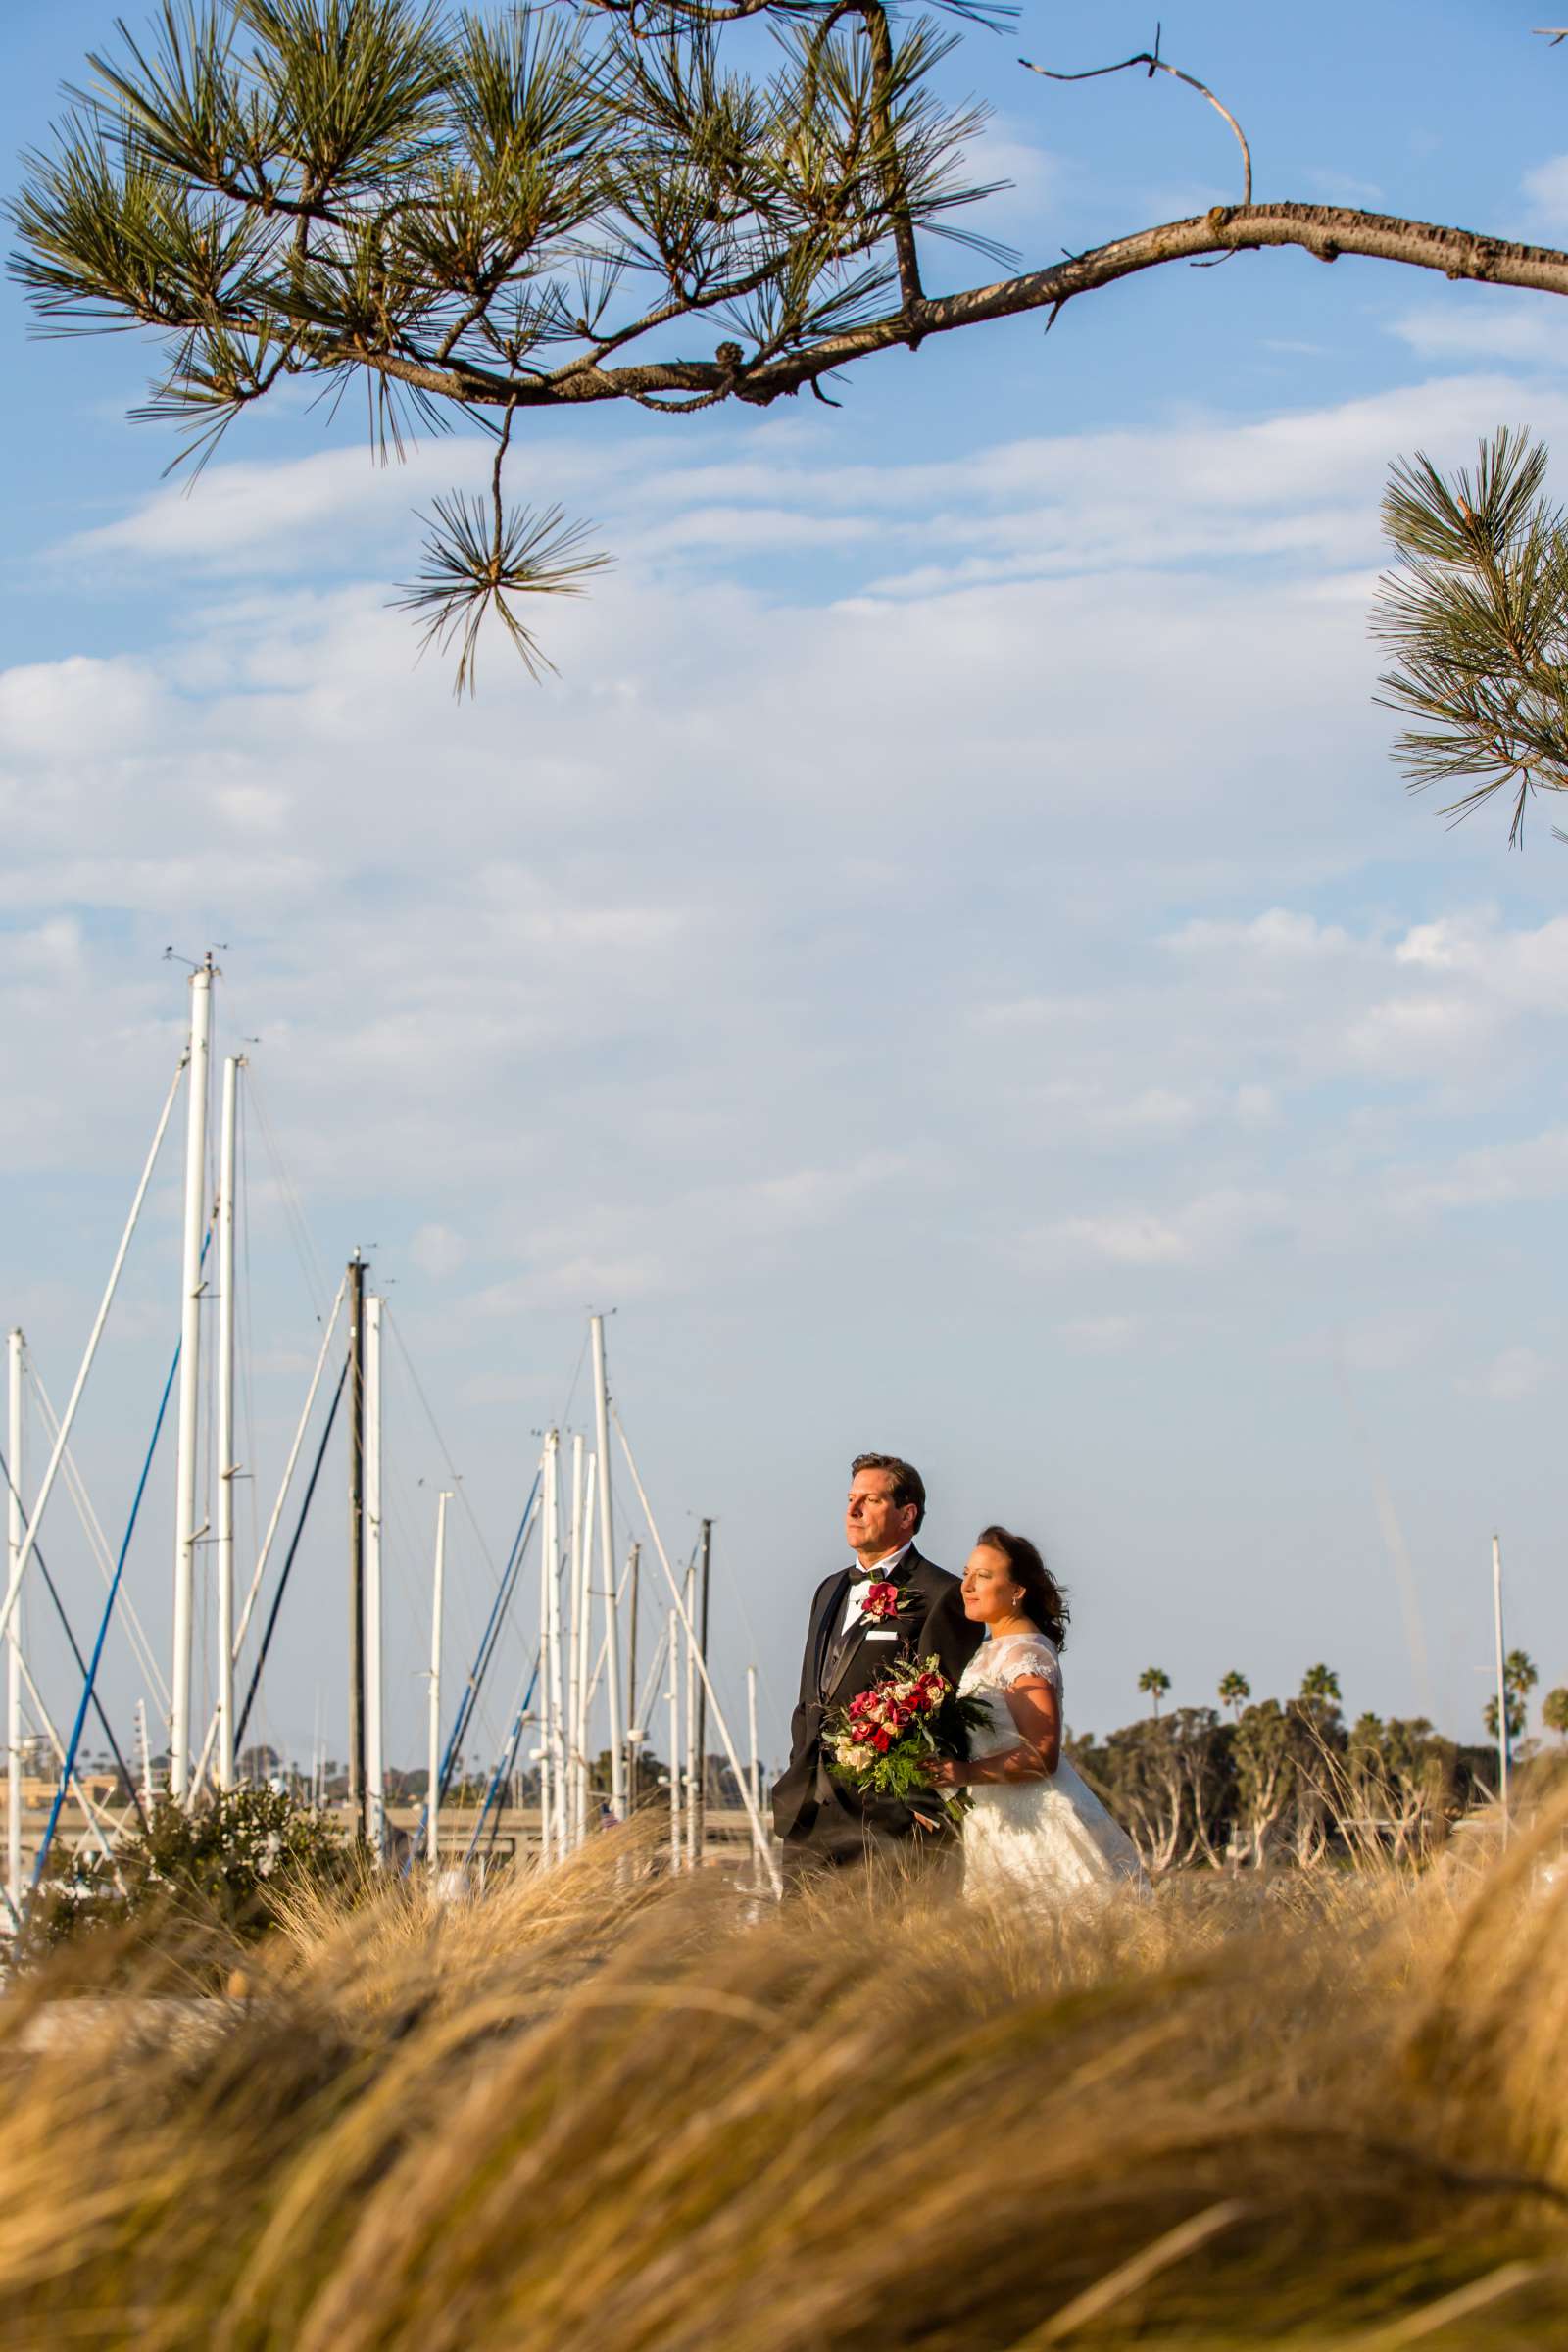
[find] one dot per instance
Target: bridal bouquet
(881, 1742)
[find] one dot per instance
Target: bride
(1034, 1833)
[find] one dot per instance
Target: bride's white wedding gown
(1039, 1842)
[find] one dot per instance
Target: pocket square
(881, 1637)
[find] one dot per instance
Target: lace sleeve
(1027, 1661)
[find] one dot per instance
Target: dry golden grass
(603, 2113)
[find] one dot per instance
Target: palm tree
(1156, 1682)
(1320, 1688)
(1519, 1677)
(1554, 1710)
(1516, 1717)
(1519, 1673)
(1234, 1692)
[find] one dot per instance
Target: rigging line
(89, 1688)
(571, 1393)
(466, 1706)
(40, 1501)
(94, 1825)
(503, 1762)
(492, 1632)
(247, 1351)
(135, 1631)
(390, 1322)
(293, 1210)
(51, 1588)
(509, 1767)
(288, 1561)
(98, 1543)
(289, 1469)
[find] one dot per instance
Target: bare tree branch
(1157, 64)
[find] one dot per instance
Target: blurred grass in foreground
(601, 2112)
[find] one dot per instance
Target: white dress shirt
(865, 1579)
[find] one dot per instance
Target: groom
(824, 1825)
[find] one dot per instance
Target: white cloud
(1281, 931)
(77, 709)
(1343, 187)
(1511, 1376)
(1491, 329)
(437, 1250)
(1297, 490)
(1496, 1175)
(1205, 1230)
(897, 1001)
(1391, 1341)
(1102, 1335)
(1545, 187)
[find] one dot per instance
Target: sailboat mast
(226, 1465)
(606, 1569)
(374, 1658)
(356, 1381)
(15, 1360)
(187, 1534)
(432, 1804)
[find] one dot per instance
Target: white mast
(579, 1652)
(553, 1794)
(186, 1532)
(432, 1807)
(14, 1361)
(759, 1835)
(672, 1693)
(226, 1465)
(693, 1857)
(265, 1553)
(1503, 1682)
(545, 1753)
(375, 1749)
(606, 1569)
(590, 1504)
(751, 1733)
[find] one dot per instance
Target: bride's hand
(945, 1772)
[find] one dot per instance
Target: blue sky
(949, 960)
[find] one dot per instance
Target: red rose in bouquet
(881, 1742)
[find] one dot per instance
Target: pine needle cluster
(1475, 614)
(472, 212)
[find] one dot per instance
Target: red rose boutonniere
(881, 1605)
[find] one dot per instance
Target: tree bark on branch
(1325, 231)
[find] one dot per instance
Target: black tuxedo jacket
(809, 1807)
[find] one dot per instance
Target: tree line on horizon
(1255, 1783)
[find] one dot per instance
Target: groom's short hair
(908, 1484)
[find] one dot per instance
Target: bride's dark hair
(1044, 1598)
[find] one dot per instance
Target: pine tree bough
(547, 208)
(1475, 613)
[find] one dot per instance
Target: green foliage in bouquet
(881, 1743)
(229, 1864)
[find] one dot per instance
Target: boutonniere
(881, 1605)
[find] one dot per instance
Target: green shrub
(228, 1863)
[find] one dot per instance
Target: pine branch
(484, 216)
